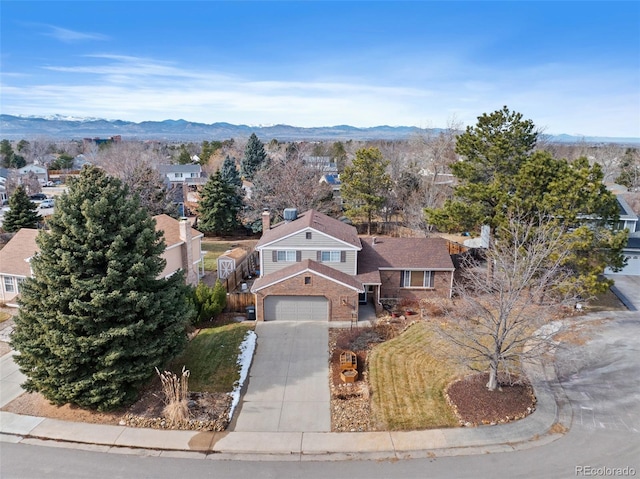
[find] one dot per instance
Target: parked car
(38, 197)
(47, 204)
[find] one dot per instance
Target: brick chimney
(190, 274)
(266, 220)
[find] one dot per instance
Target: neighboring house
(629, 220)
(322, 163)
(41, 173)
(632, 253)
(15, 263)
(185, 174)
(333, 180)
(79, 161)
(178, 235)
(314, 267)
(15, 257)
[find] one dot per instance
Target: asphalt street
(600, 378)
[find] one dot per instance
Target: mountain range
(69, 128)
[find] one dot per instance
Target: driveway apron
(288, 386)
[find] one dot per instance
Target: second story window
(286, 255)
(332, 256)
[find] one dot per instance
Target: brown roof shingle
(403, 253)
(315, 220)
(13, 257)
(304, 265)
(171, 228)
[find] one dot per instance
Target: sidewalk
(550, 420)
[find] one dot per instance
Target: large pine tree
(365, 184)
(230, 172)
(23, 213)
(219, 206)
(254, 157)
(95, 320)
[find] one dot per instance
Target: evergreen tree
(184, 158)
(7, 153)
(254, 157)
(230, 172)
(95, 320)
(493, 151)
(209, 302)
(502, 177)
(23, 213)
(365, 184)
(219, 206)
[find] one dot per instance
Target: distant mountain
(61, 127)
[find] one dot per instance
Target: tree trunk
(492, 385)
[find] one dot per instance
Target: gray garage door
(632, 268)
(296, 308)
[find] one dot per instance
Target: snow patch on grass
(247, 349)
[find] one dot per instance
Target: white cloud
(562, 98)
(69, 36)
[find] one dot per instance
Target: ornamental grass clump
(176, 392)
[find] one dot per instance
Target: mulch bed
(475, 405)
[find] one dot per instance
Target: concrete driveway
(288, 386)
(627, 288)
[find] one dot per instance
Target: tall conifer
(95, 320)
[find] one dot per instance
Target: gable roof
(403, 254)
(171, 228)
(313, 220)
(166, 169)
(307, 265)
(14, 255)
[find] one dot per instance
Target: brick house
(314, 267)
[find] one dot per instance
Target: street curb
(551, 420)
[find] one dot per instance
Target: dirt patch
(207, 411)
(475, 405)
(350, 402)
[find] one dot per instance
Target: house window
(308, 235)
(307, 280)
(417, 279)
(177, 175)
(8, 284)
(290, 256)
(332, 256)
(19, 281)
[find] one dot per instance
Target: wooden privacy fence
(243, 270)
(456, 248)
(238, 302)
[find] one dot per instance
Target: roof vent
(374, 240)
(290, 214)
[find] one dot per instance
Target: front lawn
(212, 358)
(408, 382)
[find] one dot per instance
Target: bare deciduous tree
(288, 184)
(497, 322)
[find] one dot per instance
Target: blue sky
(571, 67)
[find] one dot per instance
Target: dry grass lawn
(408, 381)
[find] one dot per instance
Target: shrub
(176, 392)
